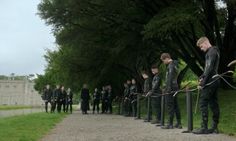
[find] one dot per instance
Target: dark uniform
(47, 94)
(209, 93)
(96, 101)
(69, 101)
(146, 88)
(133, 98)
(54, 99)
(61, 101)
(156, 99)
(85, 100)
(127, 111)
(110, 100)
(171, 87)
(105, 101)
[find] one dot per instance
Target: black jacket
(147, 85)
(212, 59)
(171, 76)
(156, 83)
(96, 96)
(47, 94)
(85, 95)
(133, 91)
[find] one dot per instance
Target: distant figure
(47, 96)
(69, 100)
(54, 98)
(104, 100)
(61, 99)
(96, 100)
(110, 99)
(85, 99)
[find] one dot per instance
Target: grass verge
(30, 127)
(5, 107)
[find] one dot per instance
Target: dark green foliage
(104, 42)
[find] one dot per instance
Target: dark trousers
(209, 97)
(104, 106)
(173, 109)
(134, 107)
(109, 104)
(96, 105)
(84, 106)
(127, 109)
(46, 105)
(53, 106)
(156, 107)
(69, 105)
(61, 103)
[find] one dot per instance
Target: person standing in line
(96, 100)
(171, 87)
(85, 97)
(209, 93)
(69, 100)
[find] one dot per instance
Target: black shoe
(179, 126)
(213, 131)
(167, 127)
(200, 131)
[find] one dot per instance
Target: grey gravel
(100, 127)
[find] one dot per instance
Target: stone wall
(19, 92)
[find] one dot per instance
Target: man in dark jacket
(146, 88)
(133, 97)
(85, 99)
(54, 102)
(155, 94)
(47, 94)
(96, 100)
(209, 93)
(171, 87)
(69, 100)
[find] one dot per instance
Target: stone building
(19, 92)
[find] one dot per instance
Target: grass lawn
(6, 107)
(227, 105)
(30, 127)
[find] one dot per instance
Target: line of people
(105, 96)
(207, 84)
(59, 99)
(152, 89)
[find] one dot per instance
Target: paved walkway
(78, 127)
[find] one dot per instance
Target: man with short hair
(171, 87)
(146, 88)
(209, 92)
(155, 94)
(47, 94)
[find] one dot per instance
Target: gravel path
(78, 127)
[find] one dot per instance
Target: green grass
(6, 107)
(30, 127)
(227, 105)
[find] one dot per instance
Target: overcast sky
(23, 38)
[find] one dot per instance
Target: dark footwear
(213, 131)
(179, 126)
(200, 131)
(167, 127)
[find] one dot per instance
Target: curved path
(99, 127)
